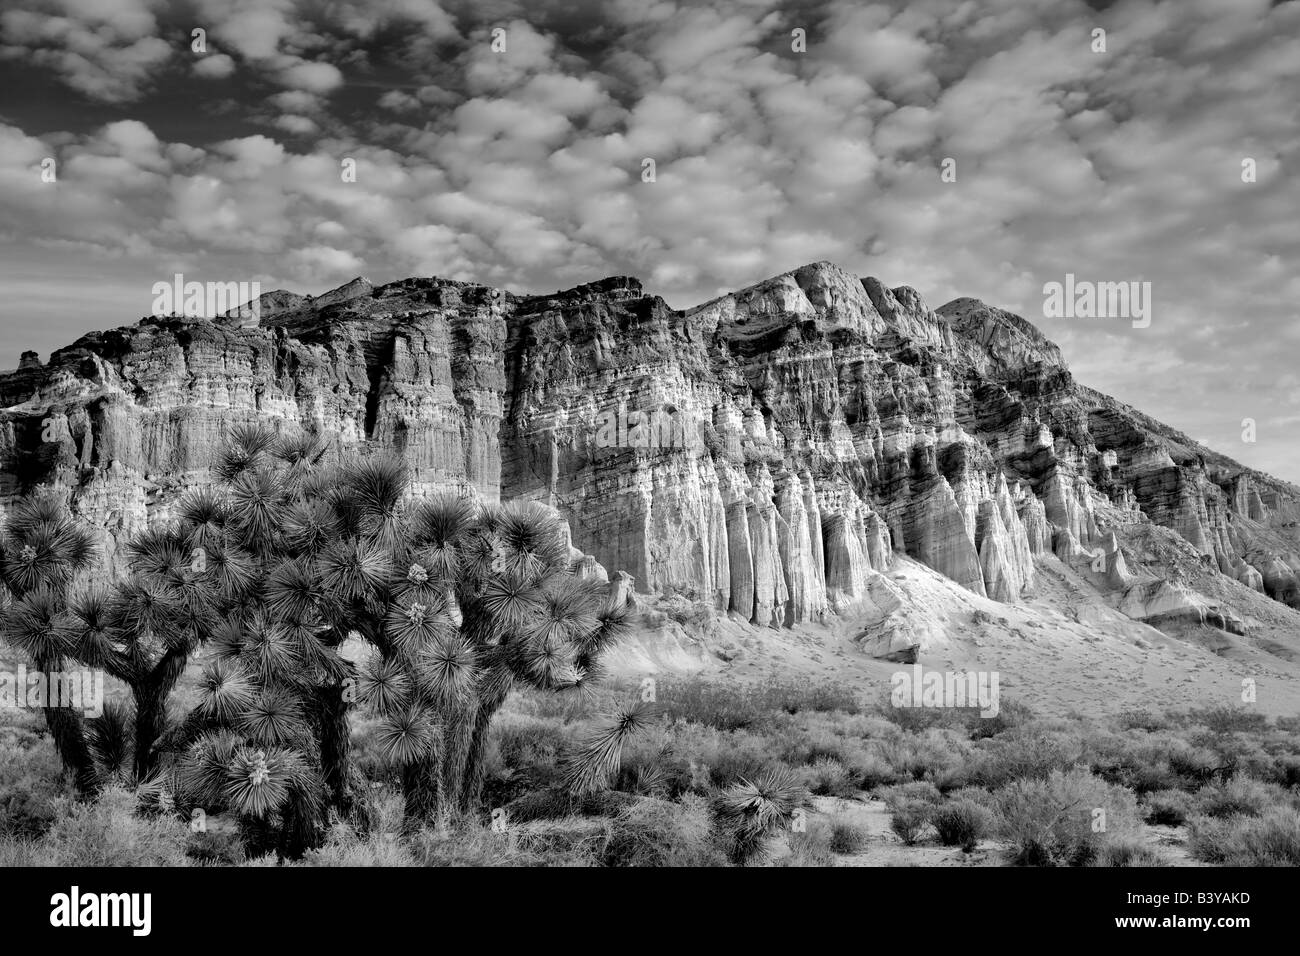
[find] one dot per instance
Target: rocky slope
(765, 454)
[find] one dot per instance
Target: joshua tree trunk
(69, 740)
(475, 767)
(148, 727)
(151, 708)
(335, 747)
(420, 785)
(457, 747)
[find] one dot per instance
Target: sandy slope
(1063, 650)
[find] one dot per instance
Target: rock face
(764, 453)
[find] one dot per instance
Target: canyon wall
(766, 452)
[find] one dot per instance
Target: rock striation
(765, 453)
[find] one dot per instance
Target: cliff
(766, 453)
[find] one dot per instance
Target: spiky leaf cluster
(277, 569)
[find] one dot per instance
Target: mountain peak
(1012, 340)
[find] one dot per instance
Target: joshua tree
(274, 568)
(42, 550)
(484, 599)
(458, 601)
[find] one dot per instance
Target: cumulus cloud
(311, 77)
(215, 66)
(103, 50)
(524, 167)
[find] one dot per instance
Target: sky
(504, 142)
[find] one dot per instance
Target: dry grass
(1229, 777)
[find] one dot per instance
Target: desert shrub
(712, 703)
(1288, 770)
(909, 818)
(383, 844)
(1127, 851)
(976, 795)
(108, 832)
(1167, 807)
(734, 706)
(1193, 765)
(1223, 719)
(482, 846)
(1290, 725)
(367, 750)
(1050, 821)
(565, 708)
(1147, 761)
(661, 833)
(847, 836)
(573, 837)
(875, 771)
(701, 759)
(828, 777)
(803, 738)
(866, 726)
(1011, 714)
(1025, 753)
(1258, 764)
(1142, 719)
(31, 777)
(941, 755)
(953, 776)
(18, 851)
(1272, 839)
(1211, 839)
(210, 848)
(898, 755)
(914, 720)
(800, 695)
(554, 803)
(645, 778)
(810, 847)
(922, 790)
(935, 754)
(961, 823)
(530, 744)
(344, 848)
(1240, 796)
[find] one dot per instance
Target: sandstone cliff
(766, 453)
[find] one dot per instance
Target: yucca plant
(481, 599)
(267, 740)
(750, 812)
(273, 569)
(459, 602)
(42, 552)
(141, 629)
(599, 758)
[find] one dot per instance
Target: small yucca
(754, 810)
(595, 762)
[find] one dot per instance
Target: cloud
(320, 265)
(311, 77)
(523, 167)
(214, 66)
(105, 51)
(297, 125)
